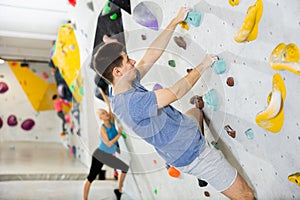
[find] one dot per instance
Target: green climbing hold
(172, 63)
(114, 16)
(215, 144)
(81, 90)
(72, 87)
(106, 8)
(124, 135)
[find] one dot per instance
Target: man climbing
(176, 136)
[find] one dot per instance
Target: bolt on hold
(230, 131)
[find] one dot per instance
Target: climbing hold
(155, 191)
(124, 135)
(3, 87)
(45, 75)
(215, 144)
(198, 101)
(12, 120)
(172, 63)
(184, 25)
(114, 16)
(144, 37)
(206, 194)
(295, 178)
(219, 66)
(1, 122)
(90, 5)
(249, 29)
(211, 99)
(174, 172)
(124, 4)
(230, 81)
(74, 150)
(234, 2)
(230, 131)
(180, 42)
(272, 118)
(72, 2)
(202, 183)
(27, 124)
(157, 87)
(193, 18)
(189, 70)
(143, 16)
(286, 57)
(249, 133)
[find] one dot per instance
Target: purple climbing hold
(143, 16)
(3, 87)
(1, 122)
(12, 120)
(157, 87)
(27, 124)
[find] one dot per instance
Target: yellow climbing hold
(272, 118)
(249, 29)
(184, 25)
(234, 2)
(295, 178)
(286, 57)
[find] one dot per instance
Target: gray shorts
(212, 167)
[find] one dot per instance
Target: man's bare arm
(158, 46)
(167, 96)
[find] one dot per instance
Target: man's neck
(121, 87)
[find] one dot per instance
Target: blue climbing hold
(193, 18)
(211, 99)
(249, 133)
(219, 66)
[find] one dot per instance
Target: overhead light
(2, 61)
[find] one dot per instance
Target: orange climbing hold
(174, 172)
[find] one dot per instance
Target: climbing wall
(265, 149)
(20, 119)
(259, 103)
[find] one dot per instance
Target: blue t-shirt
(174, 135)
(111, 132)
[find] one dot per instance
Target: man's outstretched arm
(158, 46)
(167, 96)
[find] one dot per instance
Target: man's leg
(197, 115)
(239, 190)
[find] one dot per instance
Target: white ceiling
(28, 27)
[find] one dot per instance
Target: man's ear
(116, 72)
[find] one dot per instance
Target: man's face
(127, 68)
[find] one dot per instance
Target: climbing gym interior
(249, 96)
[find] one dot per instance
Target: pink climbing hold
(1, 122)
(3, 87)
(12, 120)
(27, 125)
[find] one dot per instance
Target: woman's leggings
(99, 158)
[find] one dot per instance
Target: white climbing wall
(265, 161)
